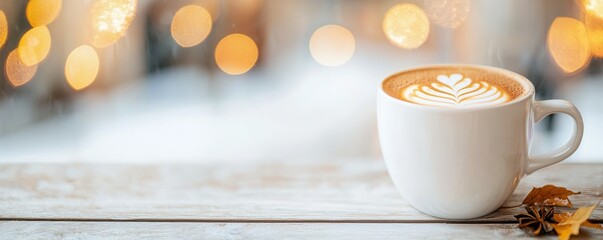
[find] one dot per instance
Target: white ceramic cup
(464, 163)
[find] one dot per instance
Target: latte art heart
(455, 91)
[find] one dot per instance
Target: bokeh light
(42, 12)
(594, 7)
(34, 45)
(406, 25)
(3, 28)
(81, 67)
(191, 25)
(594, 29)
(17, 73)
(110, 20)
(447, 13)
(332, 45)
(568, 44)
(236, 54)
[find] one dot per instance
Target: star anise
(537, 220)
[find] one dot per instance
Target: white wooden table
(333, 199)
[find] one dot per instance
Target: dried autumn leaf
(560, 217)
(571, 225)
(549, 195)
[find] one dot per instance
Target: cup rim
(516, 76)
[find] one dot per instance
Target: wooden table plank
(344, 191)
(167, 230)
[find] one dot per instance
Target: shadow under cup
(460, 162)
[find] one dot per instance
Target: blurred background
(265, 80)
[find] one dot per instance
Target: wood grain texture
(331, 191)
(333, 231)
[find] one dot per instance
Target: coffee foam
(454, 87)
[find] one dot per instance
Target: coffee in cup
(454, 87)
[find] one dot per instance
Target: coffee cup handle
(543, 109)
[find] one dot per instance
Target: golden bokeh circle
(34, 45)
(42, 12)
(3, 28)
(191, 25)
(81, 67)
(236, 54)
(406, 25)
(568, 44)
(594, 30)
(594, 7)
(448, 13)
(17, 73)
(110, 20)
(332, 45)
